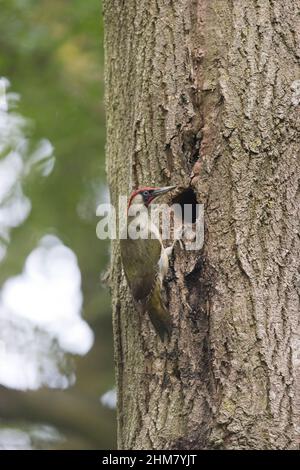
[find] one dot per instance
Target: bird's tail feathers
(158, 313)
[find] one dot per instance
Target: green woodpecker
(145, 260)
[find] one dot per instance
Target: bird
(145, 260)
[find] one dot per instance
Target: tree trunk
(205, 94)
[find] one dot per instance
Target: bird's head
(145, 195)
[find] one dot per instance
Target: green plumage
(140, 260)
(158, 313)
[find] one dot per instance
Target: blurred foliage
(51, 51)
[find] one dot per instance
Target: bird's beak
(160, 191)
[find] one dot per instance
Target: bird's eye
(146, 193)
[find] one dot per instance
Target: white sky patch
(4, 83)
(30, 438)
(109, 399)
(41, 159)
(18, 159)
(14, 439)
(40, 318)
(14, 206)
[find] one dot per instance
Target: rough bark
(203, 94)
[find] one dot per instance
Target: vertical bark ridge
(252, 322)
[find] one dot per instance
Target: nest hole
(187, 200)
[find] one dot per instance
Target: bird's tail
(158, 313)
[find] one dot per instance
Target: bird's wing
(158, 313)
(140, 261)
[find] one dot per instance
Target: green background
(52, 53)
